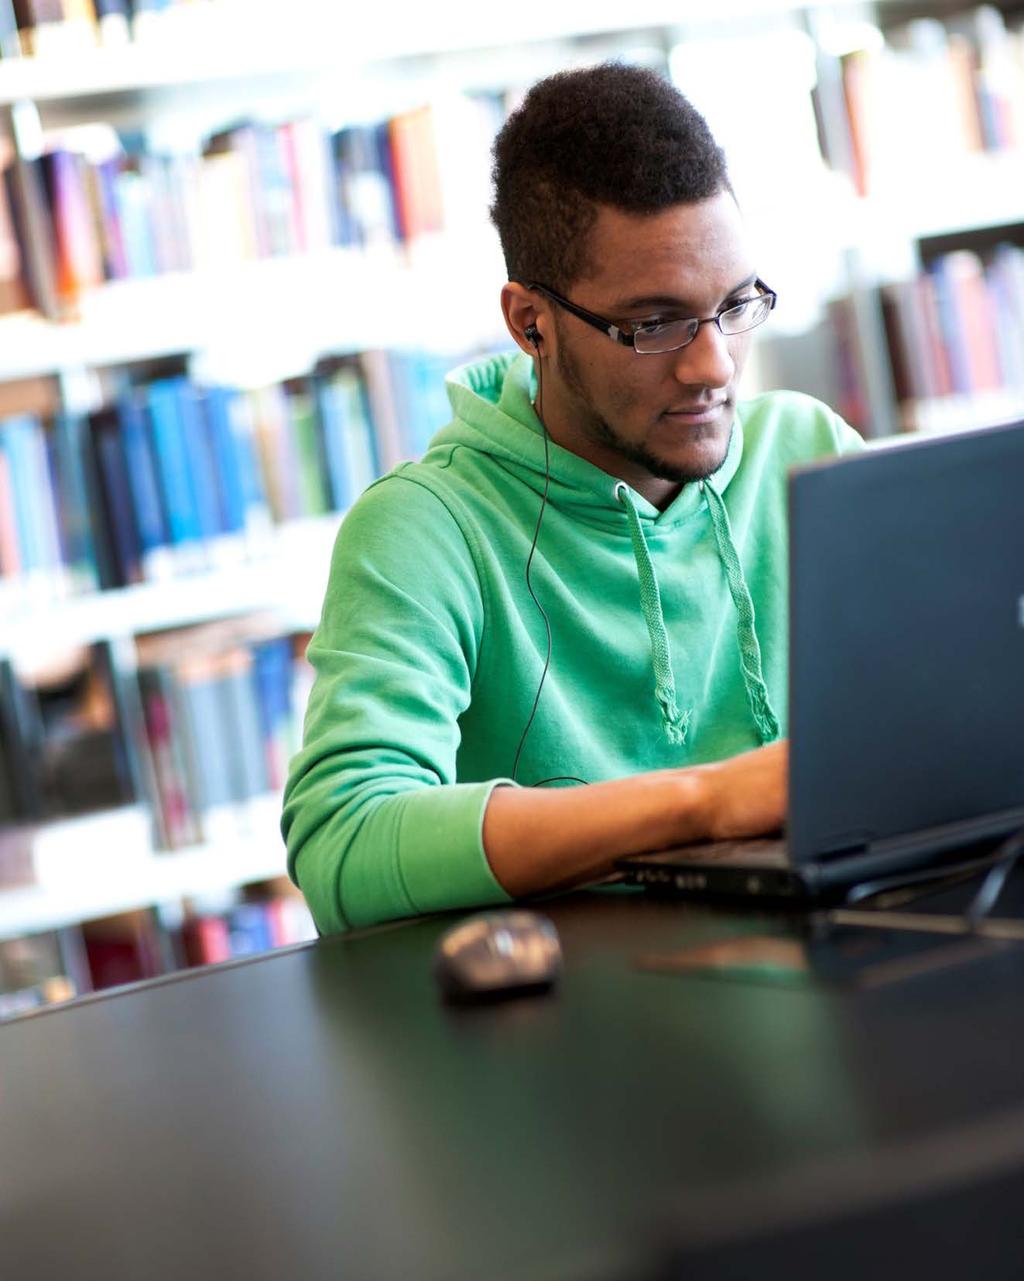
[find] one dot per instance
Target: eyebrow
(666, 300)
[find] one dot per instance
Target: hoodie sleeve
(375, 824)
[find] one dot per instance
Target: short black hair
(612, 134)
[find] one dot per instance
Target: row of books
(958, 328)
(54, 28)
(44, 969)
(205, 725)
(170, 477)
(77, 219)
(930, 92)
(221, 718)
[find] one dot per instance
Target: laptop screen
(907, 644)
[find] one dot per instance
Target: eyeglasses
(670, 335)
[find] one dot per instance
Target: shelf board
(236, 42)
(972, 192)
(962, 412)
(288, 583)
(102, 864)
(273, 316)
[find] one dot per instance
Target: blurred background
(241, 242)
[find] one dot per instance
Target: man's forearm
(537, 839)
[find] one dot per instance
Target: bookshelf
(259, 322)
(257, 315)
(124, 872)
(286, 584)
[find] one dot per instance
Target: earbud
(532, 334)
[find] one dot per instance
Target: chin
(699, 460)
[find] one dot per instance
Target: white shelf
(102, 864)
(288, 583)
(239, 41)
(963, 413)
(274, 316)
(973, 192)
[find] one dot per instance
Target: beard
(602, 432)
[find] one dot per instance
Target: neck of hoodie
(493, 404)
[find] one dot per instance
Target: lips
(696, 413)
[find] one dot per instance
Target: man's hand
(541, 839)
(744, 795)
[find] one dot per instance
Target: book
(118, 506)
(164, 401)
(10, 555)
(13, 292)
(122, 949)
(10, 38)
(278, 453)
(313, 498)
(391, 447)
(21, 442)
(349, 444)
(151, 524)
(272, 683)
(21, 734)
(177, 822)
(234, 441)
(113, 22)
(79, 264)
(247, 760)
(33, 228)
(206, 940)
(1005, 276)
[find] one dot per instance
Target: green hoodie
(669, 640)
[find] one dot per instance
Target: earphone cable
(529, 563)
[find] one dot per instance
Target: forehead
(688, 253)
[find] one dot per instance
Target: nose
(707, 361)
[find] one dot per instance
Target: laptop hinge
(916, 848)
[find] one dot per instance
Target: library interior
(225, 227)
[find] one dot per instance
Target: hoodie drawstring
(750, 650)
(676, 723)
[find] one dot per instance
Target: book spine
(144, 487)
(118, 505)
(173, 465)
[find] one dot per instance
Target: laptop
(906, 674)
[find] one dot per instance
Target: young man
(561, 636)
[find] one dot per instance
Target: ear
(526, 310)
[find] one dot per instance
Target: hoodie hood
(493, 404)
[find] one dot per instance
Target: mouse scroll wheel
(502, 943)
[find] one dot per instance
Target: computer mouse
(497, 954)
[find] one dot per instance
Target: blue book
(199, 449)
(173, 462)
(17, 438)
(272, 681)
(230, 465)
(247, 761)
(69, 431)
(249, 929)
(330, 400)
(210, 737)
(432, 408)
(141, 469)
(254, 486)
(951, 327)
(132, 197)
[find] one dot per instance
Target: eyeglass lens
(680, 333)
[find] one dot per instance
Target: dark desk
(319, 1114)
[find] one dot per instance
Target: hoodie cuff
(441, 856)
